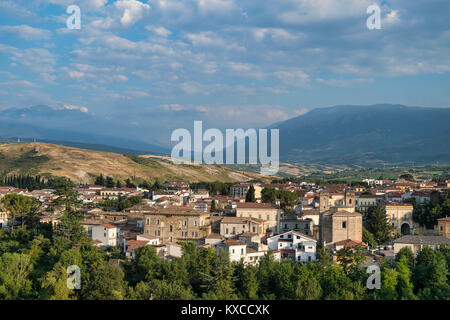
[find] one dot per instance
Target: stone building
(339, 223)
(176, 224)
(444, 227)
(268, 212)
(400, 215)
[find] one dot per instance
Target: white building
(3, 219)
(293, 244)
(107, 233)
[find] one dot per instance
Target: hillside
(81, 165)
(367, 136)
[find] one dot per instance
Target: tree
(308, 286)
(109, 183)
(378, 224)
(69, 226)
(408, 254)
(15, 269)
(404, 286)
(105, 283)
(268, 195)
(250, 196)
(213, 206)
(368, 238)
(21, 207)
(100, 180)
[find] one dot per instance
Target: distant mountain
(72, 127)
(368, 136)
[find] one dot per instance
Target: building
(176, 223)
(177, 185)
(3, 219)
(241, 189)
(107, 233)
(416, 243)
(444, 227)
(401, 216)
(232, 226)
(365, 201)
(339, 222)
(268, 212)
(295, 223)
(293, 244)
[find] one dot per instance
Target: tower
(324, 201)
(349, 196)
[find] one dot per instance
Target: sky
(230, 63)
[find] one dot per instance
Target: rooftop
(430, 240)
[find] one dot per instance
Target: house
(241, 189)
(416, 243)
(400, 216)
(107, 233)
(176, 223)
(295, 223)
(3, 219)
(268, 212)
(444, 227)
(295, 245)
(177, 185)
(131, 246)
(231, 226)
(238, 250)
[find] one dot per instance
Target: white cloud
(26, 32)
(132, 11)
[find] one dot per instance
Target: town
(303, 222)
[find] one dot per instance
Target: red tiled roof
(348, 243)
(257, 205)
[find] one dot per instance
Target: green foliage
(378, 224)
(21, 208)
(250, 196)
(368, 238)
(213, 206)
(15, 269)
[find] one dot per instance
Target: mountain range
(366, 136)
(374, 135)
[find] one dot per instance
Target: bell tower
(349, 198)
(324, 201)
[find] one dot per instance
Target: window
(254, 229)
(185, 223)
(442, 228)
(259, 216)
(267, 217)
(234, 230)
(232, 250)
(344, 224)
(242, 250)
(104, 235)
(296, 226)
(195, 234)
(285, 225)
(195, 223)
(170, 228)
(226, 230)
(290, 236)
(148, 221)
(157, 221)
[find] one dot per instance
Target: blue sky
(230, 63)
